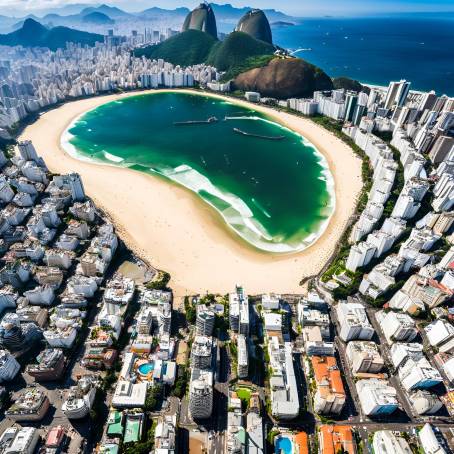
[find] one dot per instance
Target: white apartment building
(364, 357)
(418, 374)
(440, 334)
(424, 402)
(360, 254)
(205, 320)
(387, 442)
(201, 394)
(402, 352)
(243, 363)
(376, 397)
(429, 442)
(353, 322)
(239, 311)
(202, 352)
(397, 327)
(284, 390)
(21, 440)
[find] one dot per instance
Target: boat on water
(259, 136)
(196, 122)
(80, 398)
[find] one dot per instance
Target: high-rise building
(353, 322)
(351, 101)
(27, 151)
(243, 363)
(201, 394)
(205, 320)
(364, 357)
(239, 311)
(428, 101)
(388, 442)
(397, 94)
(201, 352)
(442, 149)
(376, 397)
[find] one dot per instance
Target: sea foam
(112, 157)
(235, 212)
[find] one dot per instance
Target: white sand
(174, 230)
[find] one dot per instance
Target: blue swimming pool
(146, 368)
(283, 445)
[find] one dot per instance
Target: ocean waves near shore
(249, 213)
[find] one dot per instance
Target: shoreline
(171, 228)
(254, 243)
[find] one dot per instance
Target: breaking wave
(236, 213)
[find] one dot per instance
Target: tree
(189, 310)
(153, 396)
(181, 383)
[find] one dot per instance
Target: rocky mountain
(284, 78)
(349, 84)
(202, 19)
(255, 24)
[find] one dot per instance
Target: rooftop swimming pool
(145, 369)
(283, 445)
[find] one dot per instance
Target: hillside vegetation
(239, 52)
(185, 49)
(349, 84)
(236, 49)
(249, 62)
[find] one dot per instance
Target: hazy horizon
(293, 7)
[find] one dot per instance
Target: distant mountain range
(75, 15)
(33, 34)
(97, 18)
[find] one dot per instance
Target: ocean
(416, 47)
(275, 194)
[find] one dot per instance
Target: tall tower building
(205, 320)
(27, 151)
(201, 394)
(397, 94)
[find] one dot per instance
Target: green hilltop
(185, 49)
(33, 34)
(249, 62)
(193, 47)
(235, 49)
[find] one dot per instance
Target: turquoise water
(283, 445)
(275, 194)
(146, 368)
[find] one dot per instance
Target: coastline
(250, 230)
(170, 227)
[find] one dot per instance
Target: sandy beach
(174, 230)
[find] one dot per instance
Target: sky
(295, 7)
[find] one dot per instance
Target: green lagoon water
(277, 195)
